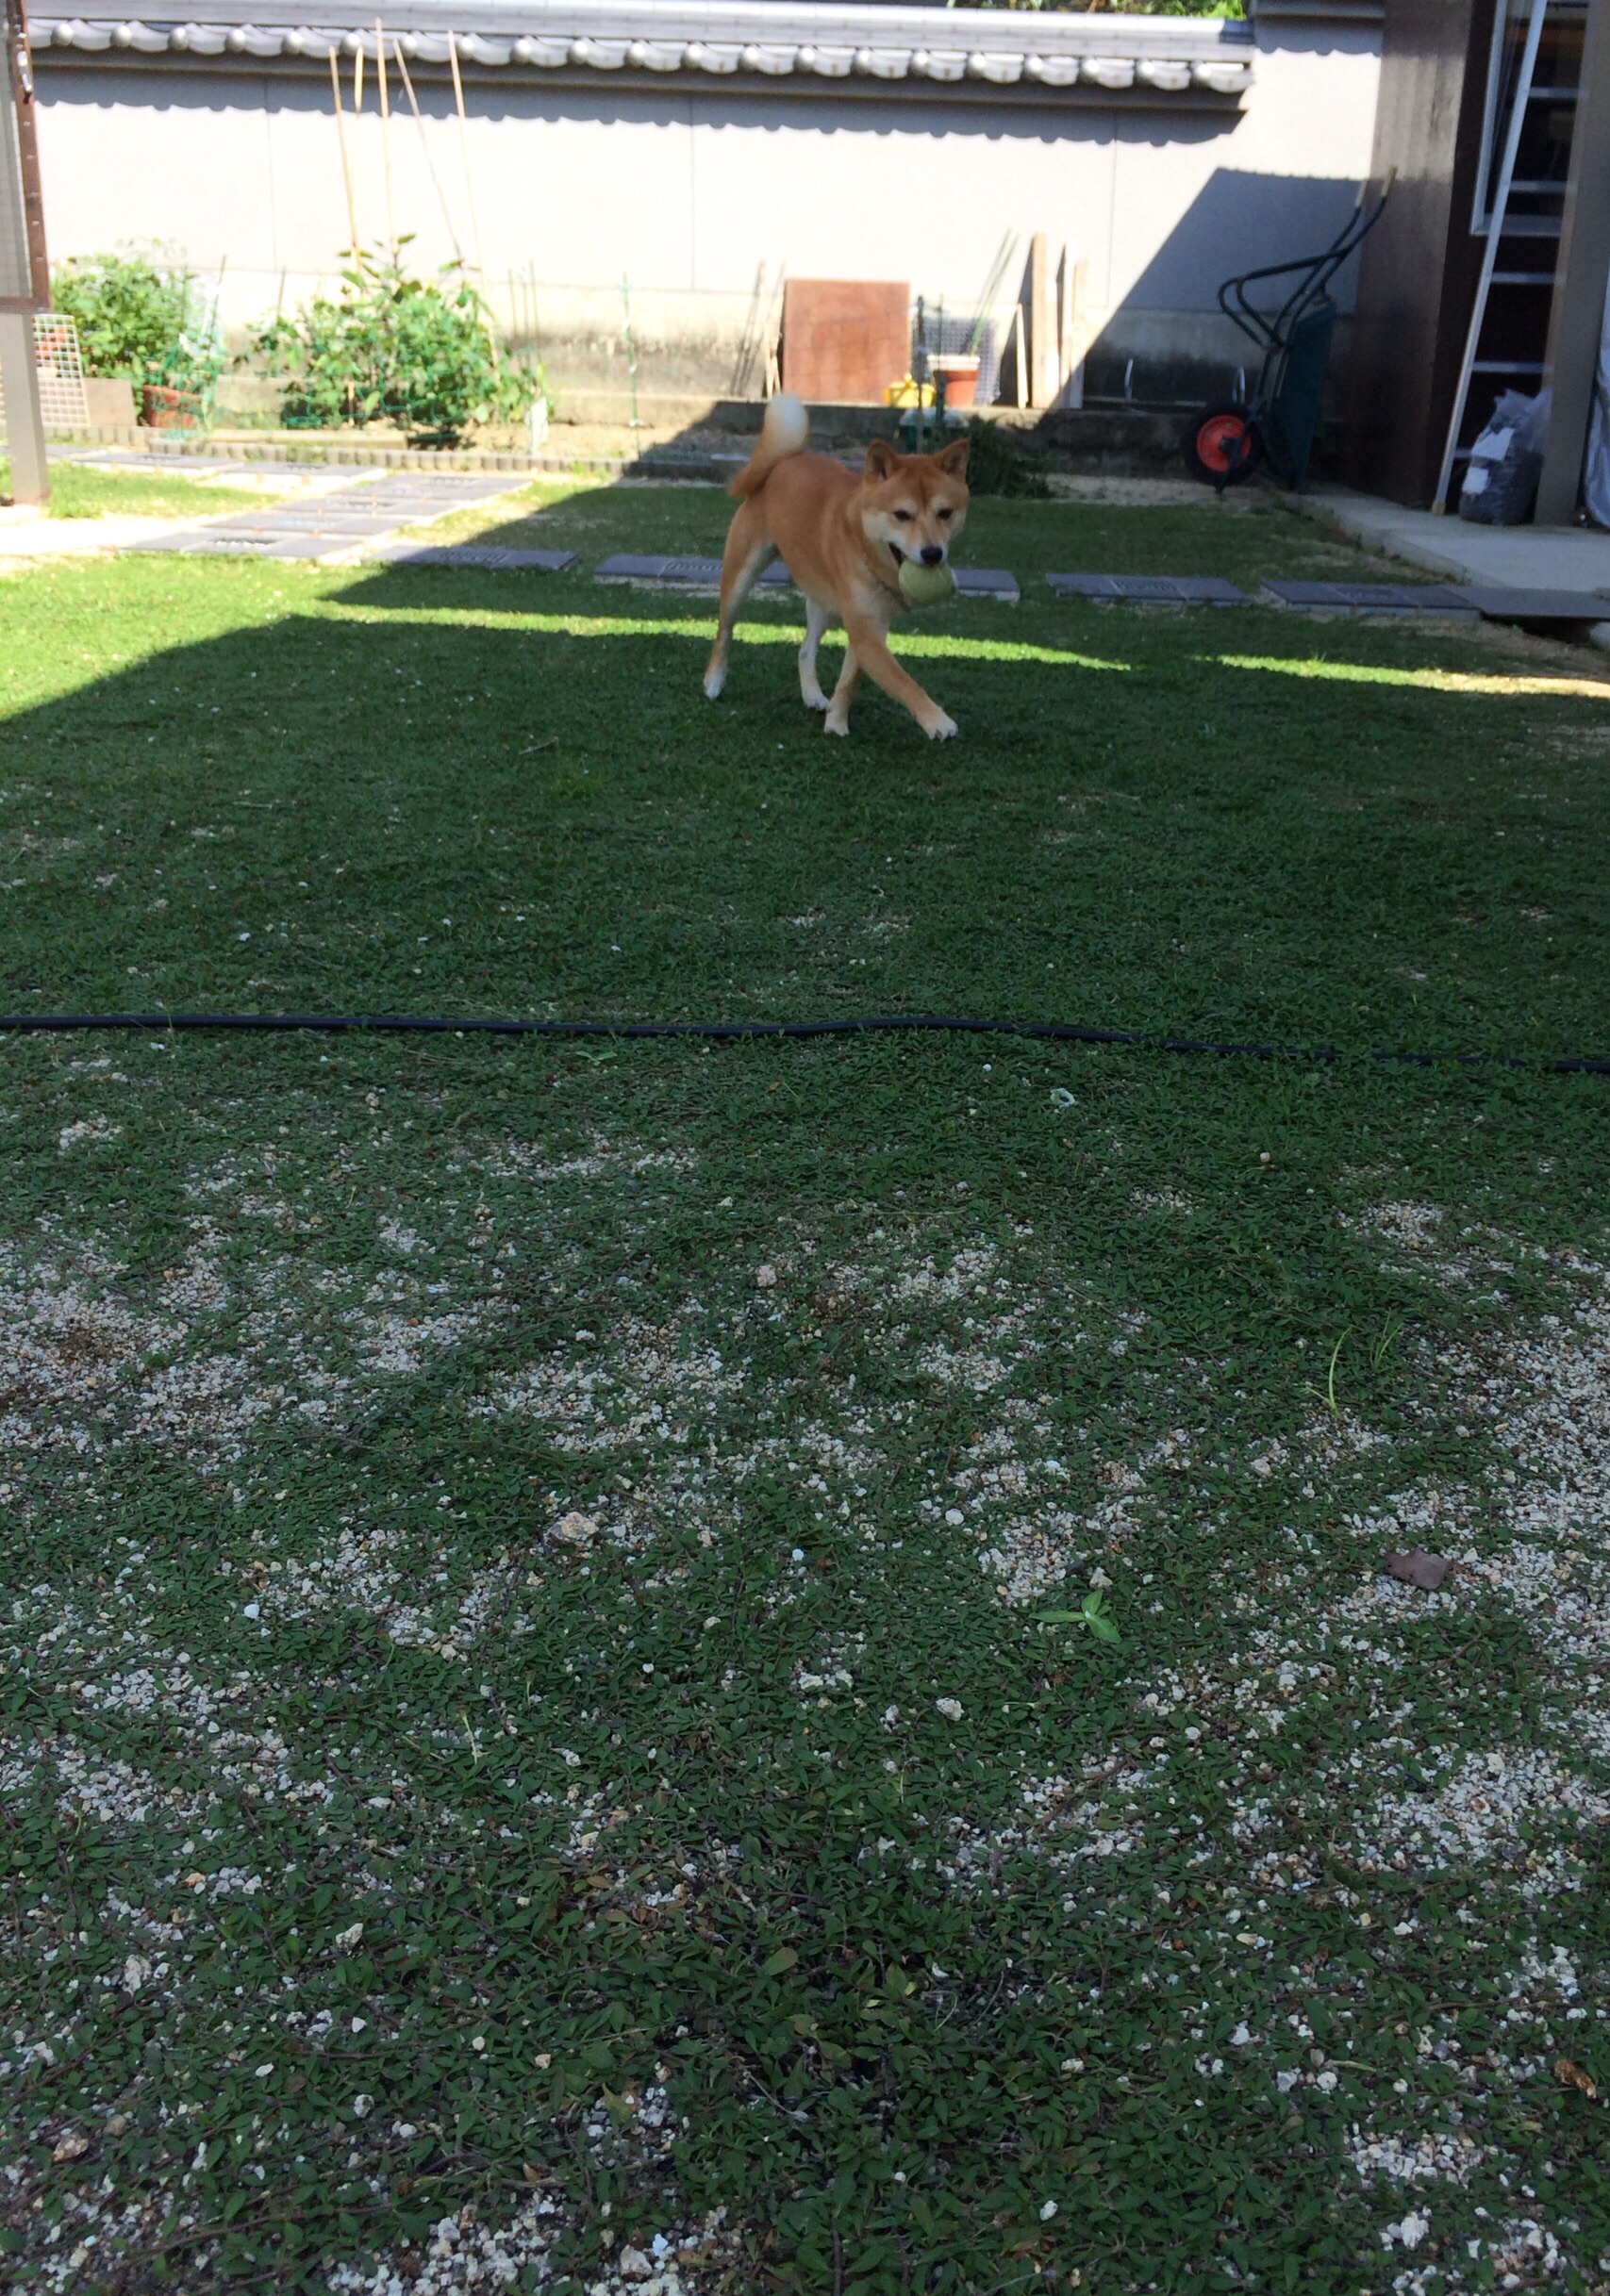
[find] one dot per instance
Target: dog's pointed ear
(952, 459)
(881, 461)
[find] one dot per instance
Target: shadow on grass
(459, 791)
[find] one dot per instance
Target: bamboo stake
(385, 133)
(346, 162)
(357, 79)
(464, 148)
(425, 147)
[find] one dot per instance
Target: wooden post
(1016, 348)
(1070, 332)
(347, 166)
(464, 153)
(1576, 318)
(386, 134)
(25, 266)
(1044, 380)
(21, 73)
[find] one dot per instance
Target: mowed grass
(549, 1736)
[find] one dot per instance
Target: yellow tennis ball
(925, 586)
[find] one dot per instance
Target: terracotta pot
(961, 378)
(166, 410)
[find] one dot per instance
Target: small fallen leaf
(135, 1971)
(774, 1963)
(1570, 2075)
(765, 1276)
(574, 1529)
(73, 2146)
(348, 1938)
(1417, 1568)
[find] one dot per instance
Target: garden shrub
(392, 349)
(999, 464)
(142, 319)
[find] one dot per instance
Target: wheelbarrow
(1271, 434)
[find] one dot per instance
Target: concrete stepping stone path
(473, 553)
(706, 574)
(1149, 589)
(1368, 597)
(1502, 604)
(337, 524)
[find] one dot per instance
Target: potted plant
(144, 318)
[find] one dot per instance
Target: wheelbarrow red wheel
(1221, 445)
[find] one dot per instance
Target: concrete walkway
(28, 534)
(1509, 557)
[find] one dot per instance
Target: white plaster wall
(686, 190)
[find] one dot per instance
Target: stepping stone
(346, 517)
(1149, 589)
(472, 553)
(685, 574)
(1368, 597)
(706, 574)
(690, 573)
(273, 527)
(209, 542)
(986, 582)
(1497, 605)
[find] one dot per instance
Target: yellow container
(909, 392)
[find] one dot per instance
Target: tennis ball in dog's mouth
(925, 586)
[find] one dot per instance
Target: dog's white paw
(714, 681)
(817, 700)
(832, 723)
(942, 727)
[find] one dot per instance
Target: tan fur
(843, 537)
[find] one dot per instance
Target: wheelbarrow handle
(1268, 328)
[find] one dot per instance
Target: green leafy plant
(140, 317)
(999, 465)
(392, 349)
(1092, 1614)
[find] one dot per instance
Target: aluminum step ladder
(1501, 226)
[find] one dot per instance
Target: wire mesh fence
(59, 365)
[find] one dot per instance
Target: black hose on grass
(727, 1031)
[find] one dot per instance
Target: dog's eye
(905, 517)
(945, 511)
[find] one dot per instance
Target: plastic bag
(1500, 478)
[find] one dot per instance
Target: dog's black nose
(932, 555)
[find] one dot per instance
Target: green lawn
(78, 493)
(548, 1716)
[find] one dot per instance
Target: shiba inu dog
(845, 538)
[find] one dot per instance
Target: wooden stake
(346, 163)
(464, 148)
(425, 147)
(386, 134)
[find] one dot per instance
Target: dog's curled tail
(783, 433)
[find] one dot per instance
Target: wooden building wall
(1420, 266)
